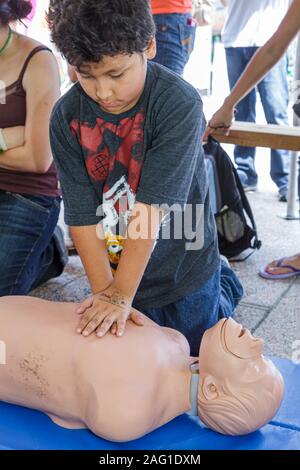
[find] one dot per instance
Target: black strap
(239, 260)
(247, 207)
(28, 58)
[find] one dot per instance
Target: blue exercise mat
(289, 413)
(23, 428)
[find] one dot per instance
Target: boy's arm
(112, 307)
(93, 254)
(141, 236)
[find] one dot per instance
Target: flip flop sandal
(263, 272)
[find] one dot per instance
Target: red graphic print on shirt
(108, 143)
(114, 156)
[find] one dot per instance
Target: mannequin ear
(209, 388)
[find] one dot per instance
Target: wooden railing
(274, 137)
(256, 135)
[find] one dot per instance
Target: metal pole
(292, 206)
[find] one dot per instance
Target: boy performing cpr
(127, 143)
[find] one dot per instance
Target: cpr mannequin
(123, 388)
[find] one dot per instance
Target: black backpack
(234, 218)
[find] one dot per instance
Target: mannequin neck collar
(194, 368)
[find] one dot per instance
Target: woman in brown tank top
(31, 246)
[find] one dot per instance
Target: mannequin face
(229, 354)
(239, 341)
(239, 390)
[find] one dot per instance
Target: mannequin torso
(91, 382)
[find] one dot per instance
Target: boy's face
(117, 82)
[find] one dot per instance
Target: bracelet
(3, 146)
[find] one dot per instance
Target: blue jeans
(29, 253)
(273, 90)
(175, 37)
(198, 311)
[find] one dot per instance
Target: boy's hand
(108, 310)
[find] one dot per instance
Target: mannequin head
(239, 389)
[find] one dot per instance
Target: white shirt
(251, 23)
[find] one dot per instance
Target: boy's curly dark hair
(88, 30)
(12, 10)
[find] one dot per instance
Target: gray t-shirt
(151, 154)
